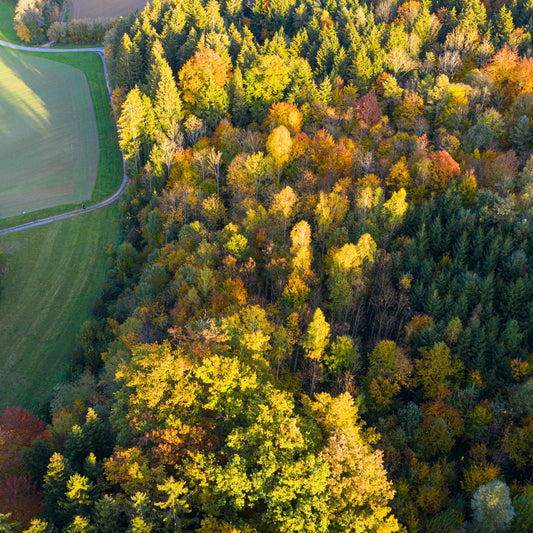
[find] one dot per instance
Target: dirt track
(103, 8)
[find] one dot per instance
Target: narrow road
(104, 203)
(5, 44)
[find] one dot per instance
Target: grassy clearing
(109, 174)
(56, 272)
(7, 14)
(48, 134)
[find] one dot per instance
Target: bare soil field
(103, 8)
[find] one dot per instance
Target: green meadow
(48, 134)
(55, 273)
(109, 171)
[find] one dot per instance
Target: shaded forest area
(319, 317)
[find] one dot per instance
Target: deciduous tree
(315, 341)
(203, 82)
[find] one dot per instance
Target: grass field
(103, 8)
(48, 134)
(109, 173)
(7, 13)
(56, 272)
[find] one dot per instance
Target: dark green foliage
(483, 307)
(107, 515)
(523, 508)
(36, 459)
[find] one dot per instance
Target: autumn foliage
(20, 497)
(18, 429)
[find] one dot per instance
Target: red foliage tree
(444, 169)
(18, 429)
(367, 110)
(20, 497)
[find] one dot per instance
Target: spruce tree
(55, 487)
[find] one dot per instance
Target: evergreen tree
(503, 25)
(521, 134)
(55, 486)
(106, 515)
(126, 70)
(164, 95)
(131, 126)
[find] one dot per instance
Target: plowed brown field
(80, 9)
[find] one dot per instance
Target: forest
(319, 315)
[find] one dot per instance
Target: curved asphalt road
(104, 203)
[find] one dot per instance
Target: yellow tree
(297, 290)
(284, 114)
(315, 341)
(437, 371)
(407, 111)
(389, 371)
(248, 331)
(356, 257)
(357, 485)
(240, 182)
(202, 81)
(398, 176)
(301, 247)
(329, 213)
(348, 264)
(283, 203)
(278, 145)
(394, 209)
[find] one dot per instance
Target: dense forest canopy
(319, 316)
